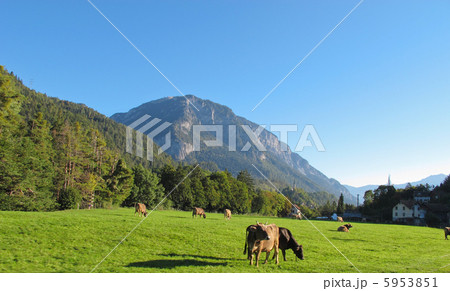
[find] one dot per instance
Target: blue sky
(377, 90)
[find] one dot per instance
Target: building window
(396, 207)
(403, 207)
(404, 215)
(396, 214)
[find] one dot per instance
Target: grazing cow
(227, 214)
(287, 241)
(261, 238)
(296, 216)
(345, 227)
(446, 232)
(140, 209)
(199, 212)
(340, 219)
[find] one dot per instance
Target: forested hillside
(282, 167)
(59, 155)
(52, 157)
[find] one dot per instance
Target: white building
(408, 211)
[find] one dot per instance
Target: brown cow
(261, 238)
(199, 212)
(227, 214)
(340, 219)
(345, 227)
(140, 209)
(287, 241)
(446, 232)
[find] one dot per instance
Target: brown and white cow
(261, 238)
(446, 232)
(296, 216)
(140, 209)
(287, 241)
(199, 212)
(345, 227)
(227, 214)
(340, 219)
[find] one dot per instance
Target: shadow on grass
(348, 239)
(178, 216)
(200, 257)
(170, 264)
(194, 218)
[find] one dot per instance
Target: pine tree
(146, 188)
(245, 177)
(120, 182)
(340, 207)
(10, 136)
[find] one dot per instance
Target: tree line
(59, 155)
(378, 203)
(50, 161)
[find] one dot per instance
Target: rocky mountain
(282, 167)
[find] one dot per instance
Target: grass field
(171, 241)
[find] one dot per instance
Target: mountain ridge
(285, 166)
(431, 180)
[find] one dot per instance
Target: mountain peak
(283, 166)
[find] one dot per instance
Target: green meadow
(172, 241)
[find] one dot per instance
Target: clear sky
(377, 89)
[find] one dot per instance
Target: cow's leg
(250, 257)
(276, 253)
(249, 253)
(284, 254)
(258, 253)
(267, 257)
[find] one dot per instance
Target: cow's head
(261, 232)
(145, 213)
(348, 225)
(204, 215)
(299, 252)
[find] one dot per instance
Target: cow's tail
(245, 246)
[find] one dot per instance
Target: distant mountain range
(285, 168)
(435, 180)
